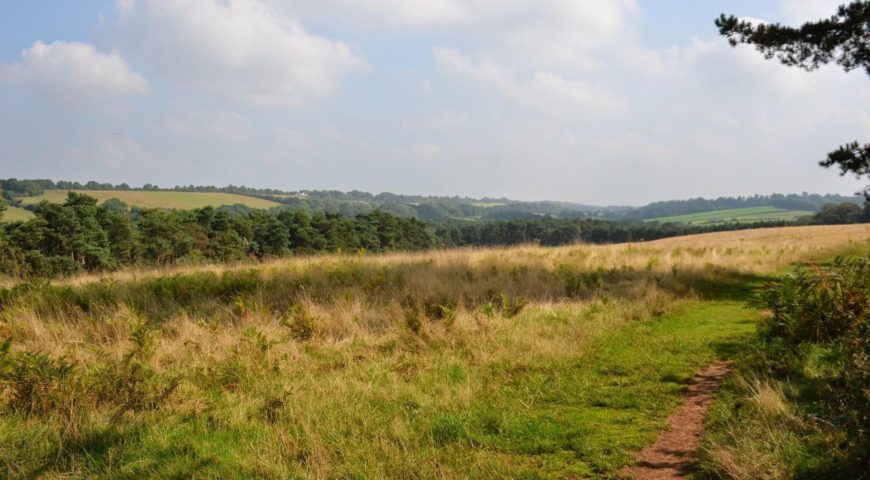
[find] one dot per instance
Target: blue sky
(600, 102)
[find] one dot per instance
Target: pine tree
(843, 39)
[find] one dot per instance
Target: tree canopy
(844, 39)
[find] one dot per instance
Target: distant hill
(737, 215)
(27, 193)
(793, 202)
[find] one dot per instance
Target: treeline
(841, 214)
(555, 231)
(79, 236)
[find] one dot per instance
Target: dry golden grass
(445, 364)
(757, 251)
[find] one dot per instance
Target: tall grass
(512, 363)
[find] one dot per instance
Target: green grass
(15, 214)
(489, 204)
(741, 215)
(524, 416)
(167, 200)
(587, 416)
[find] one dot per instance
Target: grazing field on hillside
(152, 199)
(740, 215)
(15, 214)
(501, 363)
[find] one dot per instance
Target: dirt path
(674, 453)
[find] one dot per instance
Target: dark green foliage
(549, 231)
(851, 158)
(828, 306)
(81, 236)
(838, 214)
(25, 188)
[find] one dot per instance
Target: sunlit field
(525, 362)
(158, 199)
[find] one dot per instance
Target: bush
(820, 303)
(829, 306)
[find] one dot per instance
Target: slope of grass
(504, 363)
(167, 200)
(15, 214)
(742, 215)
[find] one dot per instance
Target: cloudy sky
(592, 101)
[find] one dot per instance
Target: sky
(592, 101)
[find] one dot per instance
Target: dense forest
(80, 235)
(438, 208)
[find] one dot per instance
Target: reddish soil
(674, 453)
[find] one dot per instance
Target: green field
(739, 215)
(168, 200)
(15, 214)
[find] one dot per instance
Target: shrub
(37, 384)
(820, 303)
(829, 306)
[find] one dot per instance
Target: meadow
(157, 199)
(739, 215)
(523, 362)
(15, 214)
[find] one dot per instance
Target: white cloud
(71, 68)
(546, 33)
(545, 89)
(669, 62)
(241, 48)
(800, 11)
(221, 126)
(118, 151)
(289, 137)
(426, 151)
(754, 20)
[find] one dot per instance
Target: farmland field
(159, 199)
(740, 215)
(15, 214)
(524, 362)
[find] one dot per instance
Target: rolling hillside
(15, 214)
(159, 199)
(739, 215)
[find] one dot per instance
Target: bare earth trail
(674, 453)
